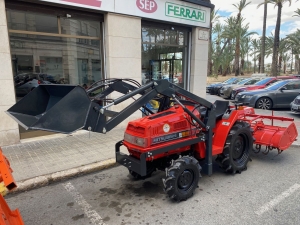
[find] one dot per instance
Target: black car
(214, 89)
(278, 95)
(295, 105)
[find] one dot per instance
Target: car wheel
(264, 103)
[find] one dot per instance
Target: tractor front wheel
(237, 148)
(182, 178)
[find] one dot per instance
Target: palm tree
(256, 45)
(245, 47)
(227, 34)
(297, 13)
(279, 4)
(293, 40)
(214, 17)
(242, 5)
(283, 49)
(286, 57)
(263, 40)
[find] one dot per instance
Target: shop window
(72, 55)
(28, 21)
(78, 27)
(51, 49)
(164, 54)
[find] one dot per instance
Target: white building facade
(82, 41)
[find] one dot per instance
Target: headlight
(135, 140)
(247, 96)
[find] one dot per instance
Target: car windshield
(264, 81)
(277, 85)
(244, 81)
(236, 81)
(229, 80)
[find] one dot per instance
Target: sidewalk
(38, 162)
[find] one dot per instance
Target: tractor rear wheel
(237, 148)
(182, 178)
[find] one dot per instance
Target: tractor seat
(220, 108)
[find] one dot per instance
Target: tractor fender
(222, 129)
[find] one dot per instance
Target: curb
(295, 145)
(43, 180)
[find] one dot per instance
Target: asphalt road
(267, 193)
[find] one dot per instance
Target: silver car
(226, 91)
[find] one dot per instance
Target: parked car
(47, 77)
(27, 87)
(295, 105)
(226, 91)
(214, 89)
(277, 95)
(26, 82)
(260, 84)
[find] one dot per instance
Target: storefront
(79, 42)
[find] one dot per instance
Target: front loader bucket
(56, 108)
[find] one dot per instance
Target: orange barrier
(8, 217)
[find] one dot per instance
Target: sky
(254, 15)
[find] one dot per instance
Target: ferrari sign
(184, 12)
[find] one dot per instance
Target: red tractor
(182, 131)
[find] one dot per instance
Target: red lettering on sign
(95, 3)
(147, 6)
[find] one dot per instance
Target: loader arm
(67, 108)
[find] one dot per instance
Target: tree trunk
(263, 41)
(248, 63)
(242, 66)
(225, 71)
(284, 67)
(297, 66)
(259, 63)
(224, 46)
(292, 62)
(209, 62)
(237, 57)
(280, 63)
(276, 42)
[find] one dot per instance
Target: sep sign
(147, 6)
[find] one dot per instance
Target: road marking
(277, 200)
(94, 217)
